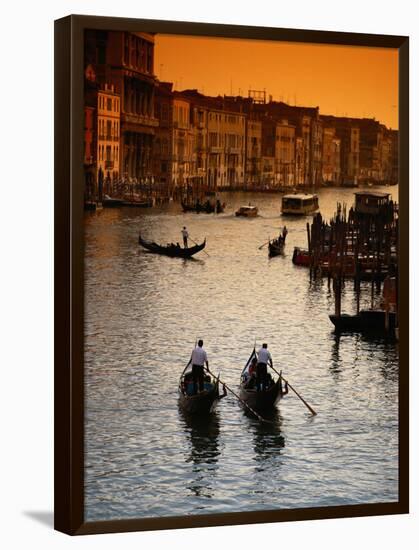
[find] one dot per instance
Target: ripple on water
(143, 314)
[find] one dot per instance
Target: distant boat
(301, 257)
(276, 246)
(300, 204)
(372, 321)
(111, 202)
(198, 403)
(205, 207)
(173, 250)
(247, 211)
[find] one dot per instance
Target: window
(109, 104)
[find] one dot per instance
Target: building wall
(184, 159)
(126, 60)
(108, 133)
(330, 157)
(253, 173)
(285, 155)
(226, 148)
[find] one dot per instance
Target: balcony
(109, 164)
(135, 118)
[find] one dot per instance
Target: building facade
(126, 61)
(108, 135)
(330, 157)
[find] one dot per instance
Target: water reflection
(202, 433)
(143, 313)
(268, 440)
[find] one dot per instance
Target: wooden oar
(260, 418)
(264, 244)
(313, 412)
(198, 245)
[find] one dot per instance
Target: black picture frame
(69, 282)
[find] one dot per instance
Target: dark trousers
(198, 377)
(185, 242)
(261, 376)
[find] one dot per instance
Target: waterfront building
(330, 157)
(278, 142)
(108, 128)
(226, 148)
(163, 141)
(348, 132)
(394, 156)
(285, 154)
(101, 135)
(253, 171)
(183, 159)
(126, 61)
(89, 158)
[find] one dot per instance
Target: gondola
(262, 399)
(173, 250)
(199, 403)
(276, 247)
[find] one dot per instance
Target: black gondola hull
(172, 251)
(261, 400)
(200, 404)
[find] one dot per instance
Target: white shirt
(199, 356)
(185, 233)
(263, 356)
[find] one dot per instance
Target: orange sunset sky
(341, 80)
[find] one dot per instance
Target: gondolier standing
(264, 357)
(185, 236)
(199, 359)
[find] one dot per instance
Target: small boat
(112, 202)
(368, 321)
(301, 257)
(173, 250)
(262, 399)
(247, 211)
(276, 246)
(300, 204)
(198, 403)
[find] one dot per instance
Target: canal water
(144, 313)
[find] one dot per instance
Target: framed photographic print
(231, 274)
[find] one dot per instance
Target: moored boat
(171, 249)
(259, 399)
(247, 211)
(300, 204)
(112, 202)
(198, 403)
(301, 257)
(205, 207)
(368, 321)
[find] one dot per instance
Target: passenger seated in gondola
(251, 382)
(187, 384)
